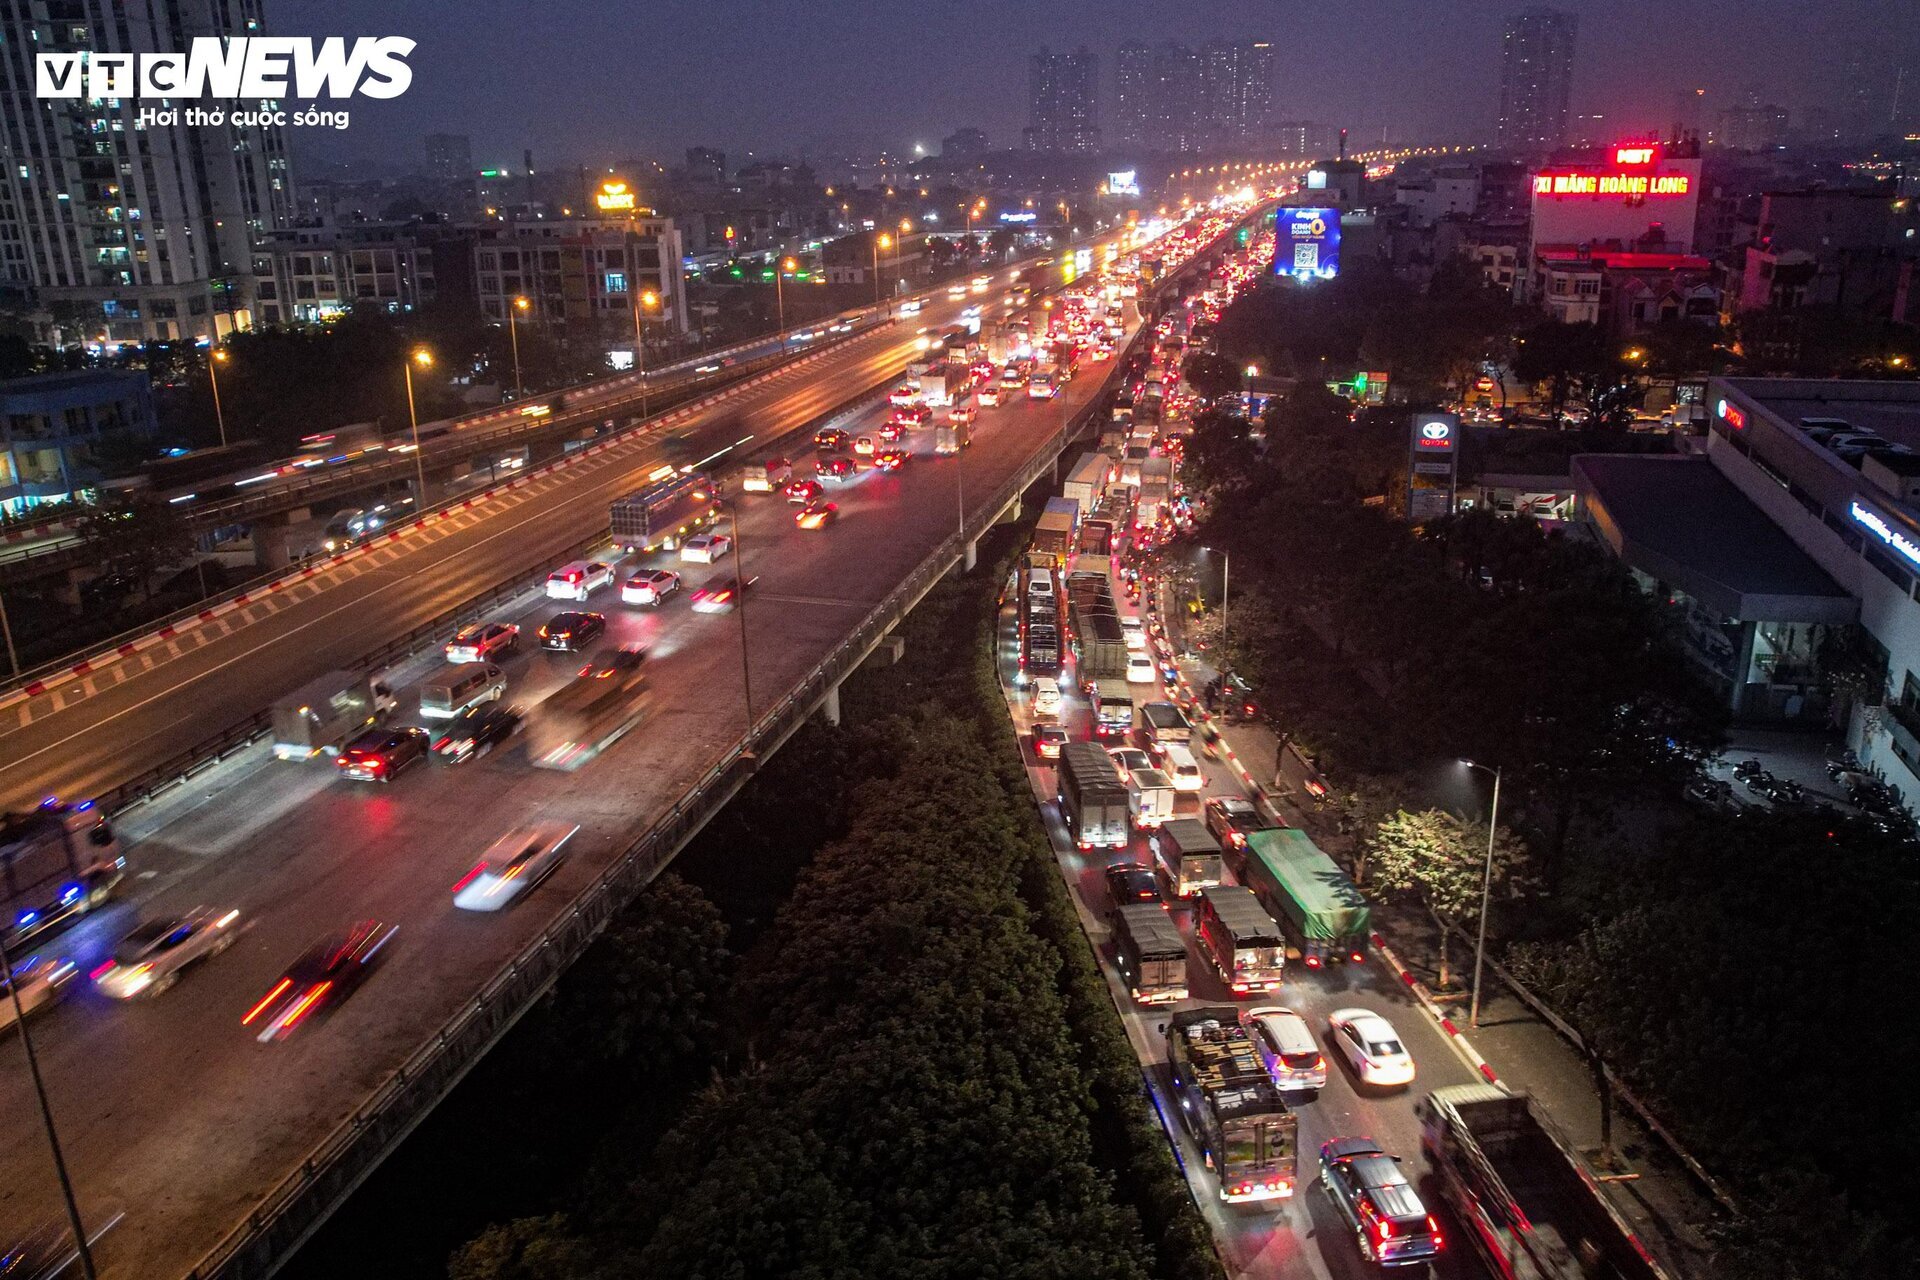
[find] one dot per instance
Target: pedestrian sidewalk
(1665, 1204)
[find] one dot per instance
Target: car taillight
(443, 743)
(1313, 962)
(1433, 1229)
(341, 762)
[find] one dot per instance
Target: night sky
(579, 80)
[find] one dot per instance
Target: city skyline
(1389, 64)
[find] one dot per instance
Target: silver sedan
(151, 958)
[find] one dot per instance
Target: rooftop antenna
(1343, 144)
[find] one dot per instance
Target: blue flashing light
(83, 806)
(51, 802)
(70, 895)
(28, 917)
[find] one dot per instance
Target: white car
(705, 548)
(1129, 760)
(152, 957)
(40, 980)
(1371, 1047)
(1178, 763)
(482, 641)
(649, 586)
(513, 864)
(910, 307)
(1140, 668)
(1046, 696)
(579, 580)
(1135, 632)
(1286, 1047)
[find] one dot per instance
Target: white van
(1046, 696)
(1180, 765)
(578, 580)
(455, 688)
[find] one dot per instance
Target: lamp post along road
(424, 359)
(80, 1242)
(513, 339)
(1486, 894)
(641, 302)
(780, 270)
(214, 360)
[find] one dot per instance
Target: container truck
(1324, 914)
(1188, 856)
(952, 437)
(1150, 797)
(322, 714)
(1242, 942)
(57, 861)
(1530, 1207)
(1246, 1134)
(1096, 538)
(1087, 482)
(1151, 953)
(1093, 800)
(663, 514)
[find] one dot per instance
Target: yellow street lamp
(513, 338)
(217, 359)
(643, 302)
(424, 358)
(881, 241)
(780, 270)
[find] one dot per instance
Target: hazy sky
(580, 80)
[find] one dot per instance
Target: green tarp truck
(1314, 901)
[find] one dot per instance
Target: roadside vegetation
(1699, 953)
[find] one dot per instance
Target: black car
(572, 630)
(1130, 883)
(1391, 1225)
(1232, 819)
(838, 470)
(380, 754)
(325, 974)
(721, 594)
(476, 731)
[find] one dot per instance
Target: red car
(911, 415)
(892, 433)
(817, 515)
(837, 469)
(891, 459)
(801, 492)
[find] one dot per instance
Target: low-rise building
(304, 274)
(582, 272)
(56, 427)
(1622, 291)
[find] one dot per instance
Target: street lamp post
(740, 608)
(513, 337)
(642, 302)
(780, 270)
(1246, 386)
(214, 361)
(1226, 569)
(424, 358)
(1486, 892)
(80, 1242)
(881, 241)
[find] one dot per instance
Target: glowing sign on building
(1633, 155)
(1731, 414)
(1611, 184)
(1885, 530)
(1307, 243)
(614, 197)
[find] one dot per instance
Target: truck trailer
(1324, 913)
(1188, 855)
(57, 862)
(1087, 482)
(1243, 943)
(1229, 1104)
(321, 715)
(1151, 953)
(663, 514)
(1093, 800)
(1530, 1207)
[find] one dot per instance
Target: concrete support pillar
(971, 556)
(270, 542)
(830, 705)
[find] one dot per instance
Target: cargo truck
(1246, 1134)
(1188, 856)
(1162, 723)
(1087, 482)
(57, 861)
(1150, 797)
(765, 476)
(1151, 953)
(1242, 942)
(588, 714)
(663, 514)
(1100, 644)
(1530, 1207)
(1324, 914)
(1093, 800)
(952, 437)
(322, 714)
(1053, 534)
(1112, 703)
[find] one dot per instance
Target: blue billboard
(1306, 243)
